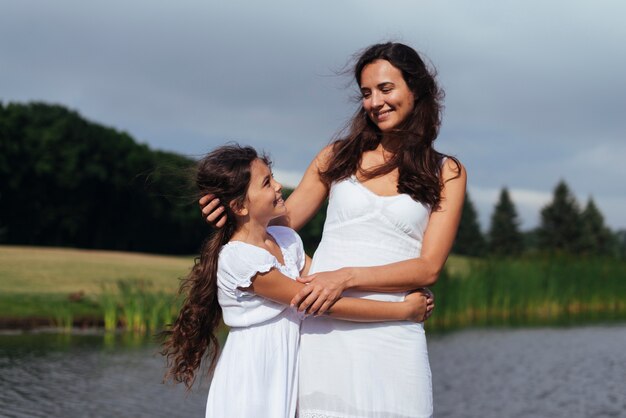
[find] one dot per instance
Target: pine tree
(505, 238)
(620, 243)
(596, 238)
(469, 239)
(561, 228)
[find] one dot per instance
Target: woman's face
(387, 99)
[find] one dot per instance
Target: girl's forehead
(259, 167)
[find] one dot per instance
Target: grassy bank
(531, 291)
(65, 287)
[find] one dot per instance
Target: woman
(394, 208)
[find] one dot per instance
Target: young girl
(246, 272)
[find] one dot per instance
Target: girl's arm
(404, 275)
(307, 266)
(301, 205)
(280, 288)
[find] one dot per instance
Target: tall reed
(63, 318)
(109, 305)
(546, 290)
(136, 307)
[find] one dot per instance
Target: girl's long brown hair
(225, 173)
(418, 163)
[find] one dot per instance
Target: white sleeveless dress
(351, 369)
(257, 372)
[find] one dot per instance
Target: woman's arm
(309, 195)
(301, 205)
(403, 275)
(280, 288)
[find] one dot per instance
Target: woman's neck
(388, 147)
(389, 144)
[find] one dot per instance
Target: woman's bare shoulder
(323, 157)
(452, 168)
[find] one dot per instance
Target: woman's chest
(352, 202)
(383, 185)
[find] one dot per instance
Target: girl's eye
(365, 94)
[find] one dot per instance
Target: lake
(543, 372)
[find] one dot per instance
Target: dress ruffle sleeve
(239, 263)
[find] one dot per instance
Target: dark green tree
(469, 239)
(531, 240)
(505, 238)
(620, 243)
(596, 238)
(561, 229)
(66, 181)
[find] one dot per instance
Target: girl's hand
(416, 306)
(212, 211)
(322, 291)
(430, 301)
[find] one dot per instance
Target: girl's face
(264, 200)
(387, 99)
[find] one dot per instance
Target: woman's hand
(322, 291)
(212, 210)
(417, 306)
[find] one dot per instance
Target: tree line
(69, 182)
(65, 181)
(564, 228)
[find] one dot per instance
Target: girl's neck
(251, 232)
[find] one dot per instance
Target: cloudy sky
(535, 90)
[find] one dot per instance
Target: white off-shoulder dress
(257, 371)
(351, 369)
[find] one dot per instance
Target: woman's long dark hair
(418, 163)
(225, 173)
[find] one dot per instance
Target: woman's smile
(383, 115)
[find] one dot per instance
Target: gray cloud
(534, 90)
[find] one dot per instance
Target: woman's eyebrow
(380, 85)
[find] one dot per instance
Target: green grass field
(56, 286)
(28, 270)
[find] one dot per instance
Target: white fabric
(257, 372)
(350, 369)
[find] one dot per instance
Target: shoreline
(34, 323)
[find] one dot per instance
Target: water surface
(571, 372)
